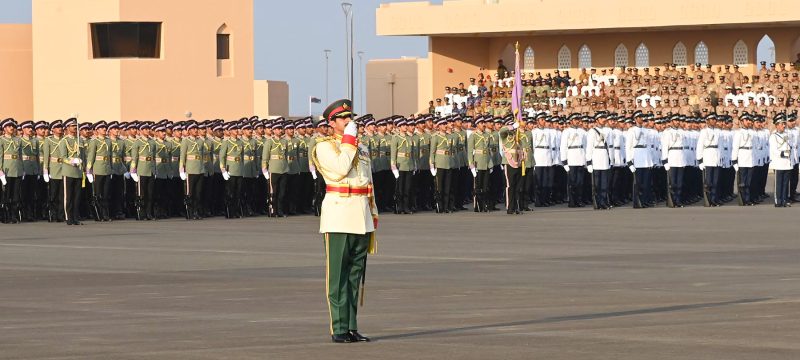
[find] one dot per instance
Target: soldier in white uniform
(640, 161)
(599, 156)
(542, 142)
(673, 142)
(708, 159)
(743, 159)
(573, 159)
(780, 153)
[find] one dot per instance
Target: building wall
(271, 98)
(16, 70)
(408, 95)
(184, 79)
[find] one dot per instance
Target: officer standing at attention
(11, 172)
(349, 218)
(72, 174)
(780, 152)
(98, 169)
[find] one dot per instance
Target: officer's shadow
(558, 319)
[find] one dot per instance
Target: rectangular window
(223, 46)
(126, 40)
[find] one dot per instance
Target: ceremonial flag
(516, 93)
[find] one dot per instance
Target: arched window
(584, 57)
(528, 59)
(621, 56)
(564, 58)
(701, 53)
(740, 53)
(223, 43)
(642, 56)
(679, 57)
(765, 51)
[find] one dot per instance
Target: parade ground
(558, 283)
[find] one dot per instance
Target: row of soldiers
(61, 171)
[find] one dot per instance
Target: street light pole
(327, 52)
(361, 82)
(348, 28)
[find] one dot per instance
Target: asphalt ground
(557, 283)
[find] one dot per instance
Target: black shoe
(356, 337)
(510, 212)
(342, 338)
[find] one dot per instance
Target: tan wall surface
(406, 89)
(271, 98)
(16, 71)
(183, 79)
(469, 17)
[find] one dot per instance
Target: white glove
(736, 167)
(135, 177)
(226, 176)
(474, 171)
(702, 167)
(266, 173)
(182, 175)
(3, 179)
(491, 170)
(75, 161)
(633, 168)
(351, 129)
(46, 177)
(667, 167)
(566, 168)
(313, 173)
(590, 169)
(395, 172)
(433, 171)
(90, 177)
(127, 175)
(503, 167)
(515, 126)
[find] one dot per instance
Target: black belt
(676, 148)
(712, 147)
(745, 148)
(600, 147)
(575, 147)
(640, 147)
(542, 147)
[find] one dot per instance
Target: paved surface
(660, 283)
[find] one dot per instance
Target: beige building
(466, 37)
(126, 60)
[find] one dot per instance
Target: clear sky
(290, 36)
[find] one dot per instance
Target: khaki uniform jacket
(273, 158)
(162, 155)
(69, 149)
(478, 155)
(143, 162)
(441, 151)
(51, 157)
(345, 165)
(403, 152)
(230, 156)
(118, 156)
(250, 160)
(11, 156)
(191, 158)
(98, 157)
(30, 155)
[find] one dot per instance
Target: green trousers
(346, 256)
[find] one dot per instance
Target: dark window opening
(223, 46)
(126, 40)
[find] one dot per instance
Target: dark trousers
(102, 189)
(575, 178)
(29, 197)
(481, 188)
(163, 198)
(233, 191)
(55, 198)
(544, 184)
(744, 183)
(423, 186)
(277, 187)
(711, 183)
(443, 189)
(782, 183)
(72, 198)
(249, 193)
(144, 194)
(12, 194)
(676, 176)
(116, 195)
(193, 190)
(496, 185)
(642, 187)
(526, 196)
(793, 182)
(513, 177)
(319, 194)
(601, 180)
(405, 184)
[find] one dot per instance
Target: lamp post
(361, 82)
(327, 52)
(348, 29)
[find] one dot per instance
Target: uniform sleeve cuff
(349, 139)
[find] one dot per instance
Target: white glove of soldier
(702, 167)
(3, 178)
(135, 177)
(736, 167)
(667, 167)
(514, 126)
(566, 168)
(351, 129)
(633, 168)
(226, 176)
(433, 171)
(313, 170)
(46, 176)
(395, 172)
(90, 177)
(474, 171)
(265, 173)
(127, 175)
(590, 169)
(491, 170)
(182, 175)
(75, 161)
